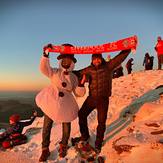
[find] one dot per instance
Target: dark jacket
(100, 79)
(148, 62)
(17, 127)
(129, 64)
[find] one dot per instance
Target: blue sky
(26, 26)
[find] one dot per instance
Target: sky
(27, 26)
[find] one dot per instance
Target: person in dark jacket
(129, 65)
(13, 135)
(147, 62)
(99, 75)
(151, 62)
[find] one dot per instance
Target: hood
(103, 63)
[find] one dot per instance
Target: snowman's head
(67, 61)
(66, 65)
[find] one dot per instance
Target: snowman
(57, 101)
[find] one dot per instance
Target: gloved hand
(35, 113)
(46, 50)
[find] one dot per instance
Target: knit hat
(6, 144)
(15, 117)
(63, 55)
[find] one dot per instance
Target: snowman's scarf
(123, 44)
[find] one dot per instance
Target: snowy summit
(134, 131)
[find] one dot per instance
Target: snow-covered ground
(135, 138)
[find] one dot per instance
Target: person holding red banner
(159, 50)
(99, 75)
(57, 101)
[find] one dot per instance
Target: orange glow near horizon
(22, 82)
(32, 86)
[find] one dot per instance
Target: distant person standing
(147, 62)
(151, 62)
(159, 50)
(129, 65)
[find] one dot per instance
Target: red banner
(123, 44)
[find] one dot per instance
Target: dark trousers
(66, 128)
(101, 104)
(129, 70)
(160, 61)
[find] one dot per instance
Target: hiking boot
(62, 150)
(44, 155)
(97, 150)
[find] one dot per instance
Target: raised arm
(116, 61)
(45, 67)
(30, 121)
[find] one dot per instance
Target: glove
(35, 113)
(46, 50)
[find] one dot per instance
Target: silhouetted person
(129, 65)
(151, 62)
(147, 62)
